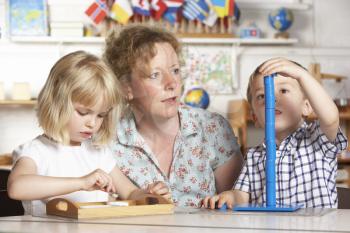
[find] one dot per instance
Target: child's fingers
(222, 201)
(160, 191)
(212, 201)
(158, 188)
(269, 63)
(205, 202)
(167, 196)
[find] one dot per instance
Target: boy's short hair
(78, 77)
(254, 75)
(123, 49)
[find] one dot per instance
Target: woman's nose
(170, 81)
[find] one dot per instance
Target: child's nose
(91, 122)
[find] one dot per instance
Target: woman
(192, 150)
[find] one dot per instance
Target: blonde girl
(77, 109)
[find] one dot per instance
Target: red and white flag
(158, 7)
(97, 11)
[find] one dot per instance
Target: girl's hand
(220, 199)
(159, 188)
(283, 67)
(98, 180)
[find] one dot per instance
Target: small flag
(196, 9)
(121, 11)
(170, 17)
(219, 7)
(173, 5)
(141, 7)
(97, 11)
(232, 9)
(211, 19)
(236, 12)
(158, 8)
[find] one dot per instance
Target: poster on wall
(27, 18)
(213, 70)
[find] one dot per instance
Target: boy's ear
(307, 109)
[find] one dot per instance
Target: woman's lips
(170, 100)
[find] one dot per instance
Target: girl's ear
(307, 109)
(255, 119)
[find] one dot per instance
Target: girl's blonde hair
(78, 77)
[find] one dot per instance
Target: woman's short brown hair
(133, 44)
(78, 77)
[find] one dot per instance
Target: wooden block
(6, 159)
(147, 205)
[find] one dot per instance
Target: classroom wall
(321, 31)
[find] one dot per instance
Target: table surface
(194, 221)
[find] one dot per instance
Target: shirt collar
(188, 121)
(292, 138)
(127, 133)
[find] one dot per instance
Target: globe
(197, 97)
(281, 19)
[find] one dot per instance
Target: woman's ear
(128, 92)
(307, 109)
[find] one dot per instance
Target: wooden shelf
(271, 5)
(215, 39)
(18, 102)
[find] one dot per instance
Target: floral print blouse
(205, 142)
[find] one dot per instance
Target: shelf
(238, 41)
(271, 5)
(186, 40)
(17, 102)
(49, 39)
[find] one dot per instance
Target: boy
(306, 154)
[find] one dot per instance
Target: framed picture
(210, 67)
(27, 18)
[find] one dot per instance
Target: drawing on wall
(27, 18)
(212, 70)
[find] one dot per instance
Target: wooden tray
(149, 205)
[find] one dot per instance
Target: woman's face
(156, 92)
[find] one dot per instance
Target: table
(196, 221)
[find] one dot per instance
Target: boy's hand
(98, 180)
(159, 188)
(283, 67)
(224, 197)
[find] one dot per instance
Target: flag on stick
(121, 11)
(97, 11)
(141, 7)
(158, 8)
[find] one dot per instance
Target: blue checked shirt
(306, 167)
